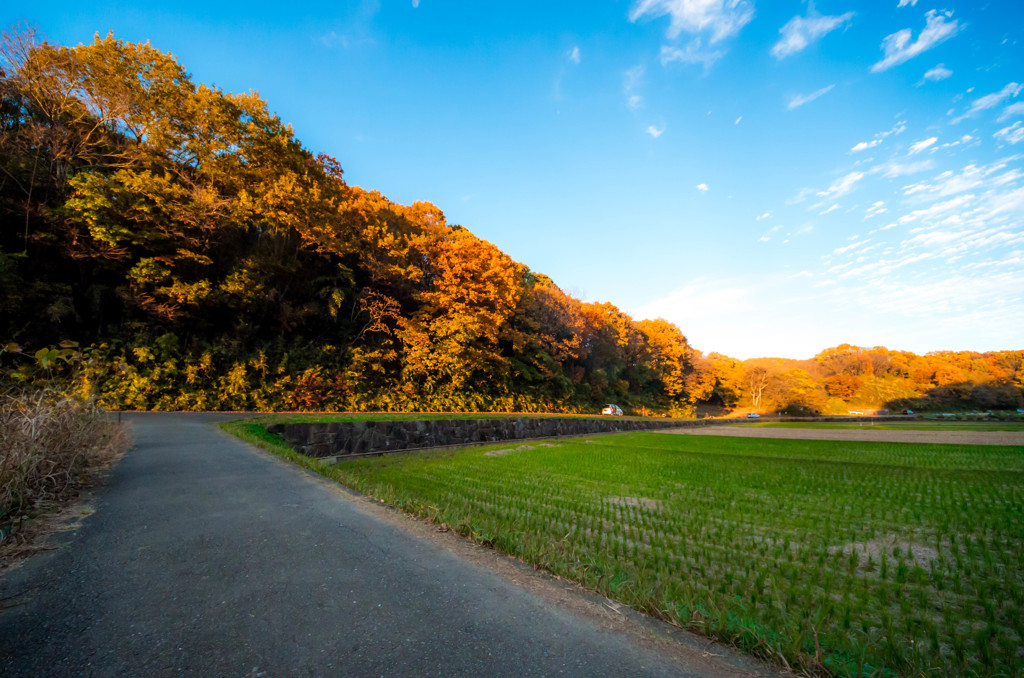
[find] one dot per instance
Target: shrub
(48, 442)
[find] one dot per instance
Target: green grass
(834, 557)
(917, 425)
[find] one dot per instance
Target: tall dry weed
(49, 444)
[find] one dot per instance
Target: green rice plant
(848, 558)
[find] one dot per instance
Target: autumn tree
(757, 382)
(452, 341)
(843, 386)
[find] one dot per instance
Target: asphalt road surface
(207, 557)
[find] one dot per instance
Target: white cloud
(574, 54)
(841, 186)
(940, 72)
(876, 208)
(738, 120)
(921, 145)
(691, 54)
(1014, 134)
(991, 100)
(833, 208)
(631, 81)
(865, 145)
(970, 178)
(800, 31)
(703, 188)
(1012, 111)
(763, 216)
(967, 138)
(800, 100)
(898, 48)
(898, 128)
(722, 18)
(415, 3)
(893, 169)
(654, 131)
(907, 3)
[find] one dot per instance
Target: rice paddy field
(829, 557)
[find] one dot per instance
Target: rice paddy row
(845, 558)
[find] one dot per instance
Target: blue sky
(775, 178)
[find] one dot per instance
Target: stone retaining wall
(366, 437)
(344, 438)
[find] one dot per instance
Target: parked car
(753, 415)
(908, 411)
(611, 409)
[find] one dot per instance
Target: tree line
(848, 377)
(197, 256)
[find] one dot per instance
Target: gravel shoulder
(866, 434)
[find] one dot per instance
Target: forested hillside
(208, 260)
(200, 257)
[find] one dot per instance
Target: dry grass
(50, 445)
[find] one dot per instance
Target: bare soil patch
(509, 450)
(635, 501)
(866, 434)
(917, 554)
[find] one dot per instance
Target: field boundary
(863, 435)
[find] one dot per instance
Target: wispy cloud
(574, 54)
(991, 100)
(703, 188)
(738, 120)
(1014, 134)
(876, 208)
(799, 32)
(916, 148)
(345, 40)
(841, 186)
(892, 169)
(770, 232)
(971, 177)
(1012, 111)
(692, 53)
(907, 3)
(721, 18)
(940, 72)
(763, 216)
(898, 128)
(654, 131)
(865, 145)
(802, 99)
(898, 48)
(631, 81)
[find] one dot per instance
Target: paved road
(207, 557)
